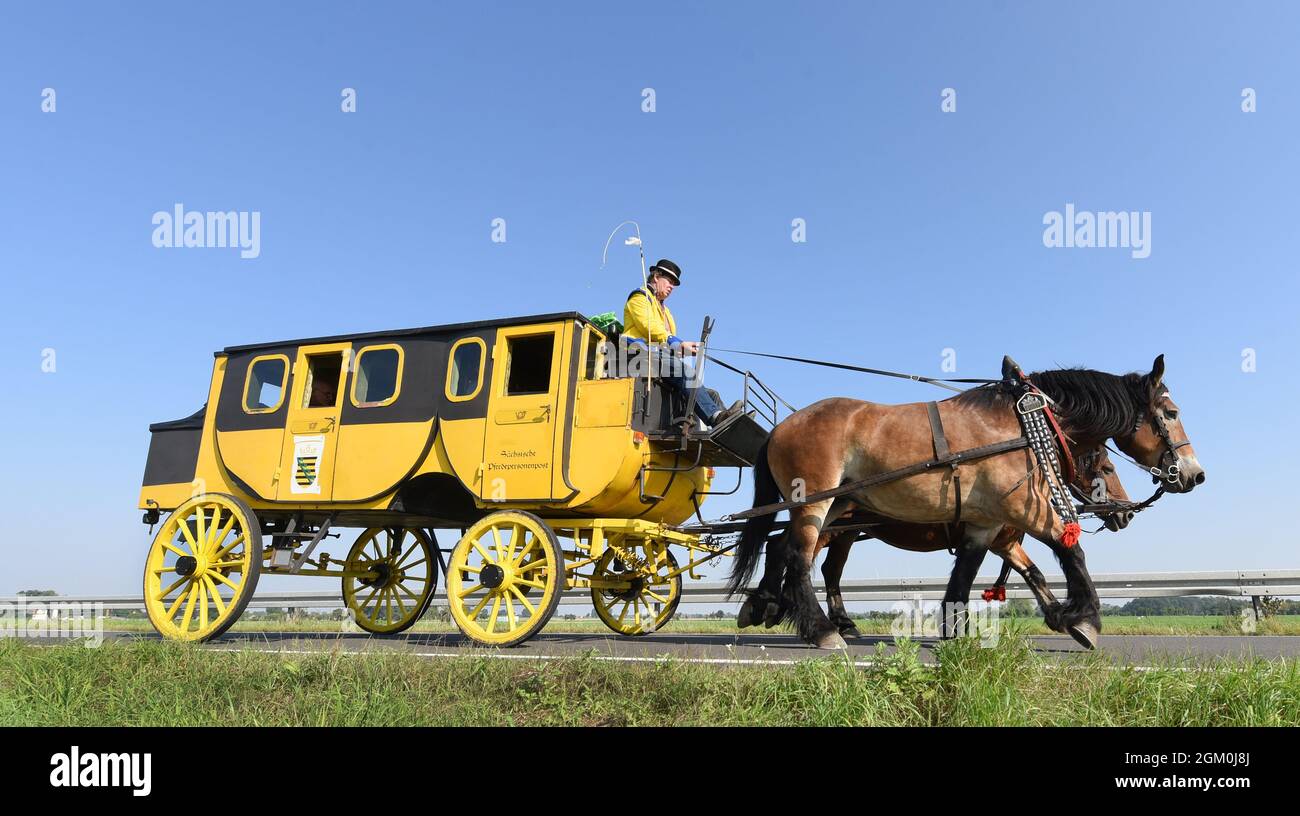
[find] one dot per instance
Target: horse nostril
(1200, 478)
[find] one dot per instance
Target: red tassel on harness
(1071, 535)
(997, 593)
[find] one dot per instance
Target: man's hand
(690, 347)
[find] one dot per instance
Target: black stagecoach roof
(448, 328)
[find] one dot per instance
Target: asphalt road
(1137, 650)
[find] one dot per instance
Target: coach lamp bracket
(151, 515)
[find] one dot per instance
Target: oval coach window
(378, 376)
(264, 390)
(465, 374)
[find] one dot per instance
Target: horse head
(1158, 440)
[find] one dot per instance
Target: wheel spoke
(224, 551)
(175, 549)
(532, 611)
(220, 536)
(496, 538)
(527, 549)
(532, 565)
(409, 594)
(189, 606)
(223, 579)
(492, 619)
(216, 596)
(487, 559)
(623, 615)
(474, 615)
(510, 613)
(169, 589)
(176, 604)
(200, 530)
(469, 591)
(203, 604)
(373, 592)
(661, 599)
(415, 547)
(227, 565)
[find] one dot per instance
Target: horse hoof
(771, 615)
(1085, 633)
(831, 640)
(745, 617)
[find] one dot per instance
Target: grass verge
(167, 684)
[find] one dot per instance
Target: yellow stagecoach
(556, 472)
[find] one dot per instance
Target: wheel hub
(382, 573)
(492, 576)
(186, 565)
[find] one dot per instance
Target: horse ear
(1157, 371)
(1010, 370)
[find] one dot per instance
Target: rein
(942, 382)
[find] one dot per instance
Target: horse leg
(1081, 614)
(805, 612)
(764, 603)
(832, 571)
(955, 620)
(1009, 547)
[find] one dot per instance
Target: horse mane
(1090, 404)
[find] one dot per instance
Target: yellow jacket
(645, 318)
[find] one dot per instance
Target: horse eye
(1171, 414)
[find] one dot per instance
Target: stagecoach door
(307, 462)
(519, 443)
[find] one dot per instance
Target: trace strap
(968, 455)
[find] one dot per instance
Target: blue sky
(924, 228)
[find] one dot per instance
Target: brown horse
(841, 440)
(1095, 479)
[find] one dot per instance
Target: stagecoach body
(507, 429)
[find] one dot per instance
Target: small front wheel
(389, 579)
(638, 591)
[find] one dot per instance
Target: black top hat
(669, 270)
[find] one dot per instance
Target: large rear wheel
(202, 567)
(505, 578)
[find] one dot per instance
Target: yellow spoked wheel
(391, 576)
(202, 567)
(505, 578)
(637, 598)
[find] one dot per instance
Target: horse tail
(757, 528)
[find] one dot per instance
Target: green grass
(163, 683)
(1111, 625)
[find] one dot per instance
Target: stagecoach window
(529, 365)
(377, 377)
(322, 387)
(466, 368)
(264, 389)
(590, 367)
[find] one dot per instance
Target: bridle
(1161, 472)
